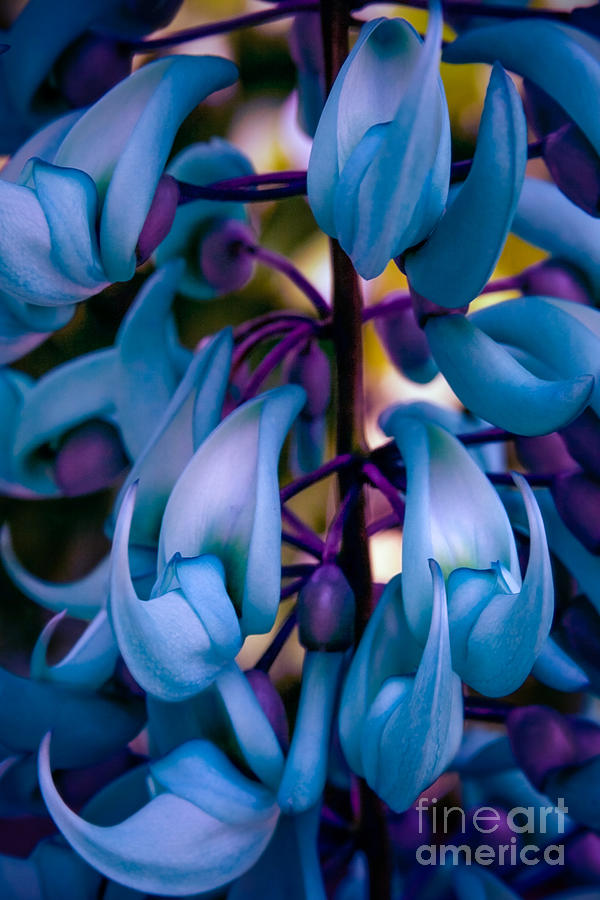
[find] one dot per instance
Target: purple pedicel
(541, 740)
(424, 309)
(553, 278)
(577, 500)
(326, 611)
(582, 437)
(159, 219)
(405, 343)
(224, 258)
(546, 455)
(90, 67)
(575, 167)
(543, 113)
(271, 704)
(310, 369)
(90, 457)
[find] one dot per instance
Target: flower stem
(273, 358)
(282, 264)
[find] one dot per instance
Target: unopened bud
(545, 455)
(224, 258)
(326, 610)
(541, 740)
(577, 500)
(575, 167)
(90, 67)
(159, 219)
(91, 456)
(554, 278)
(582, 437)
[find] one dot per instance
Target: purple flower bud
(90, 458)
(224, 256)
(493, 822)
(587, 738)
(577, 500)
(582, 855)
(582, 437)
(90, 67)
(424, 309)
(575, 167)
(553, 278)
(543, 113)
(406, 345)
(541, 740)
(544, 455)
(310, 369)
(159, 219)
(326, 610)
(271, 704)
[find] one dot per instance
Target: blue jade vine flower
(498, 621)
(400, 715)
(62, 55)
(75, 219)
(379, 170)
(218, 568)
(490, 357)
(197, 220)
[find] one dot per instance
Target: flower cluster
(243, 705)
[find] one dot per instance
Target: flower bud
(271, 704)
(310, 369)
(541, 741)
(575, 167)
(90, 67)
(159, 219)
(406, 345)
(91, 456)
(554, 278)
(326, 609)
(577, 500)
(544, 114)
(224, 258)
(545, 455)
(582, 437)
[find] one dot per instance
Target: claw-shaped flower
(379, 170)
(498, 622)
(401, 707)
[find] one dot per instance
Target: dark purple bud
(544, 455)
(541, 740)
(577, 500)
(225, 257)
(488, 824)
(310, 369)
(580, 628)
(582, 438)
(326, 610)
(575, 167)
(152, 13)
(90, 457)
(587, 738)
(90, 67)
(424, 309)
(543, 113)
(582, 855)
(159, 219)
(405, 344)
(552, 278)
(271, 704)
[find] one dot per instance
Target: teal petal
(414, 726)
(42, 145)
(148, 108)
(226, 503)
(88, 664)
(157, 848)
(492, 384)
(454, 264)
(556, 669)
(453, 513)
(566, 63)
(167, 641)
(554, 332)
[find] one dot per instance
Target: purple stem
(387, 308)
(273, 358)
(280, 177)
(534, 479)
(379, 481)
(261, 334)
(489, 435)
(281, 11)
(298, 570)
(189, 192)
(276, 645)
(245, 328)
(486, 709)
(282, 264)
(307, 534)
(385, 523)
(501, 11)
(328, 468)
(298, 542)
(333, 541)
(290, 589)
(459, 170)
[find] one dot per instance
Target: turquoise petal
(555, 668)
(414, 726)
(170, 846)
(138, 120)
(492, 384)
(226, 503)
(42, 145)
(88, 664)
(565, 64)
(454, 264)
(453, 513)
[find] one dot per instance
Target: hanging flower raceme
(516, 375)
(85, 201)
(498, 622)
(379, 170)
(401, 707)
(219, 568)
(64, 55)
(198, 223)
